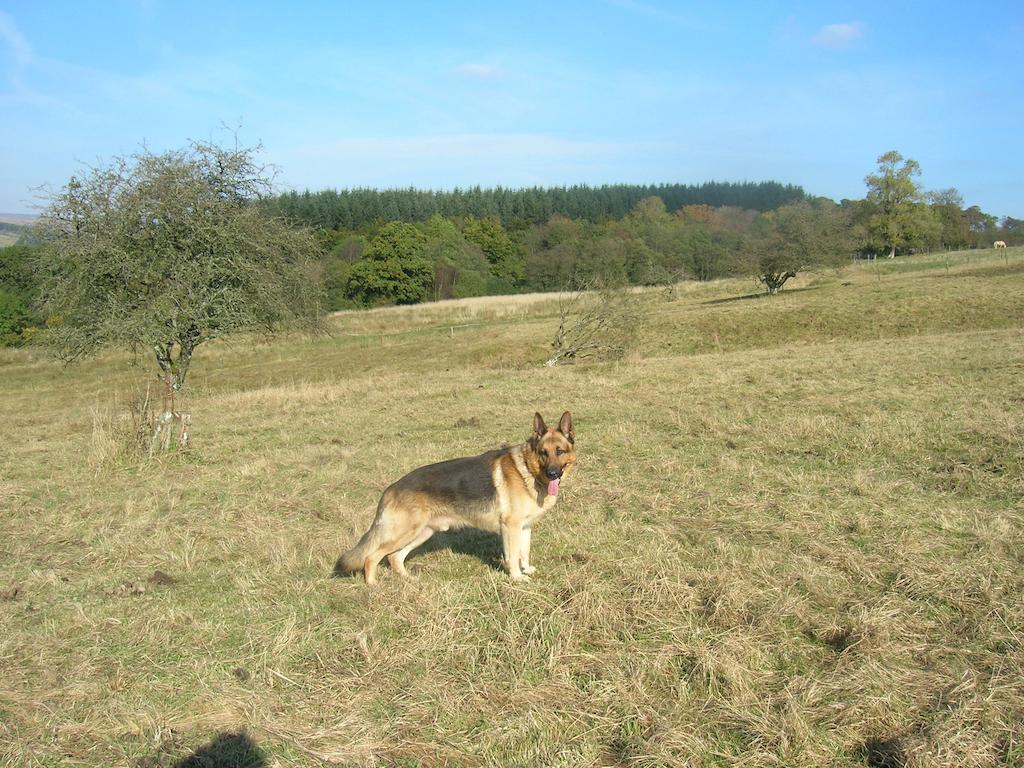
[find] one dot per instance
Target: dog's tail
(353, 560)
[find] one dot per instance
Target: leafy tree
(395, 268)
(733, 220)
(1012, 230)
(14, 318)
(164, 252)
(947, 206)
(983, 227)
(706, 254)
(601, 258)
(344, 251)
(697, 214)
(898, 218)
(19, 285)
(796, 238)
(650, 210)
(950, 196)
(954, 231)
(715, 235)
(669, 239)
(978, 220)
(501, 252)
(17, 270)
(460, 267)
(641, 264)
(553, 250)
(927, 231)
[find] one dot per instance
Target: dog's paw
(529, 570)
(519, 577)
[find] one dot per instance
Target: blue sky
(447, 94)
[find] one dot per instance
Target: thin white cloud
(839, 35)
(24, 63)
(16, 42)
(479, 71)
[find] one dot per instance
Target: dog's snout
(553, 472)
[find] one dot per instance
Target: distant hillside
(20, 219)
(9, 233)
(351, 209)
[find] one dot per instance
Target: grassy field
(795, 537)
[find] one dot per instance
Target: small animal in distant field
(504, 491)
(999, 244)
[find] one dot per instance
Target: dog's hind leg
(397, 559)
(396, 549)
(393, 528)
(391, 549)
(373, 560)
(370, 567)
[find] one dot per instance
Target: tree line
(515, 208)
(219, 259)
(402, 262)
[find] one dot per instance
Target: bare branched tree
(669, 279)
(595, 322)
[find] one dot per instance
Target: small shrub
(595, 322)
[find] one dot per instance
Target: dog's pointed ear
(539, 427)
(565, 427)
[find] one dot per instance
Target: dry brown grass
(794, 539)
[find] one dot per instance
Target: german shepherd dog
(503, 491)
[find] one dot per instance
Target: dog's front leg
(512, 545)
(524, 551)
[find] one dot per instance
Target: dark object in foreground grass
(883, 753)
(504, 491)
(162, 579)
(228, 750)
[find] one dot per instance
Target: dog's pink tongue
(553, 487)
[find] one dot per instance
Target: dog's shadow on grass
(484, 546)
(226, 750)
